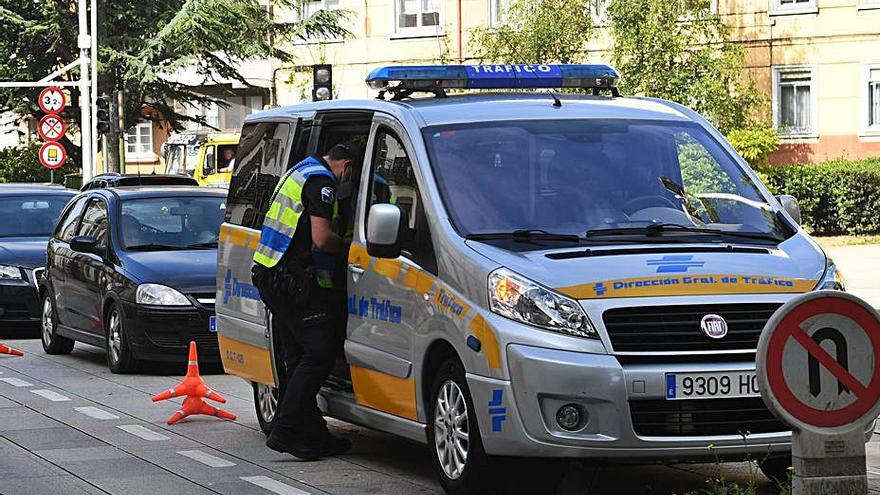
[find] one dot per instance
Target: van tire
(475, 478)
(266, 400)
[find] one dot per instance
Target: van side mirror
(790, 205)
(384, 228)
(84, 244)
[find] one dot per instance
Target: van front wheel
(266, 402)
(454, 436)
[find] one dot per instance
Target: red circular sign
(52, 155)
(52, 127)
(52, 100)
(787, 326)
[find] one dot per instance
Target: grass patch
(847, 240)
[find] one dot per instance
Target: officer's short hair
(344, 151)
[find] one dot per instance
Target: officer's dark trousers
(312, 337)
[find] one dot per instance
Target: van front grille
(702, 417)
(654, 329)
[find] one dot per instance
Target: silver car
(532, 274)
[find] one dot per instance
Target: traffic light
(322, 82)
(102, 123)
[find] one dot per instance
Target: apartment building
(818, 60)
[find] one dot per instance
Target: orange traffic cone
(9, 350)
(195, 390)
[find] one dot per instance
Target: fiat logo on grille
(714, 326)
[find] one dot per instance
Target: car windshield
(30, 216)
(595, 178)
(172, 223)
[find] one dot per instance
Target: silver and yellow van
(552, 275)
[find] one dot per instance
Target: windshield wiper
(154, 247)
(200, 245)
(524, 235)
(659, 228)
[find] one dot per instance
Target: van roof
(472, 107)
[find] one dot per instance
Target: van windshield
(591, 179)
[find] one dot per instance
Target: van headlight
(160, 295)
(520, 299)
(833, 279)
(10, 272)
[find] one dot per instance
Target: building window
(783, 7)
(418, 17)
(497, 12)
(139, 139)
(308, 9)
(872, 102)
(794, 101)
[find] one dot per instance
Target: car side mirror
(790, 205)
(384, 228)
(86, 244)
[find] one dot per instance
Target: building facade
(817, 60)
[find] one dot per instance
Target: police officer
(298, 271)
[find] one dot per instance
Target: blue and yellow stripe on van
(395, 395)
(689, 285)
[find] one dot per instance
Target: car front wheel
(52, 342)
(119, 355)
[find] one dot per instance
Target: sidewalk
(860, 266)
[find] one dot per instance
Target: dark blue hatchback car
(28, 213)
(133, 270)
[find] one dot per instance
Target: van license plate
(212, 324)
(712, 385)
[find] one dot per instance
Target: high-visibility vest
(284, 213)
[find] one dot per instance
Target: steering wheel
(647, 201)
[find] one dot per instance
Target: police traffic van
(553, 275)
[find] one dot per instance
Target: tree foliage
(142, 44)
(680, 51)
(536, 31)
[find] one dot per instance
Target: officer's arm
(324, 238)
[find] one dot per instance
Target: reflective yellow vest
(284, 213)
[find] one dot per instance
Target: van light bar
(518, 76)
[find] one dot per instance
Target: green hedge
(836, 197)
(23, 165)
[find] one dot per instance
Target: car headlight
(520, 299)
(160, 295)
(833, 279)
(10, 272)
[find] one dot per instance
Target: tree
(143, 43)
(678, 50)
(537, 31)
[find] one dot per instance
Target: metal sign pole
(93, 31)
(85, 100)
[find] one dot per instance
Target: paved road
(860, 266)
(69, 426)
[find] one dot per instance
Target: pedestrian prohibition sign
(818, 362)
(52, 127)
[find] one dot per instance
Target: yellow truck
(208, 156)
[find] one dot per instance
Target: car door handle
(356, 268)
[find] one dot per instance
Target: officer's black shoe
(306, 451)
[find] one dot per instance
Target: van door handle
(356, 268)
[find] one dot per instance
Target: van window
(66, 229)
(394, 181)
(259, 162)
(210, 159)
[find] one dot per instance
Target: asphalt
(860, 266)
(69, 426)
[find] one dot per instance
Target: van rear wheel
(266, 405)
(454, 436)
